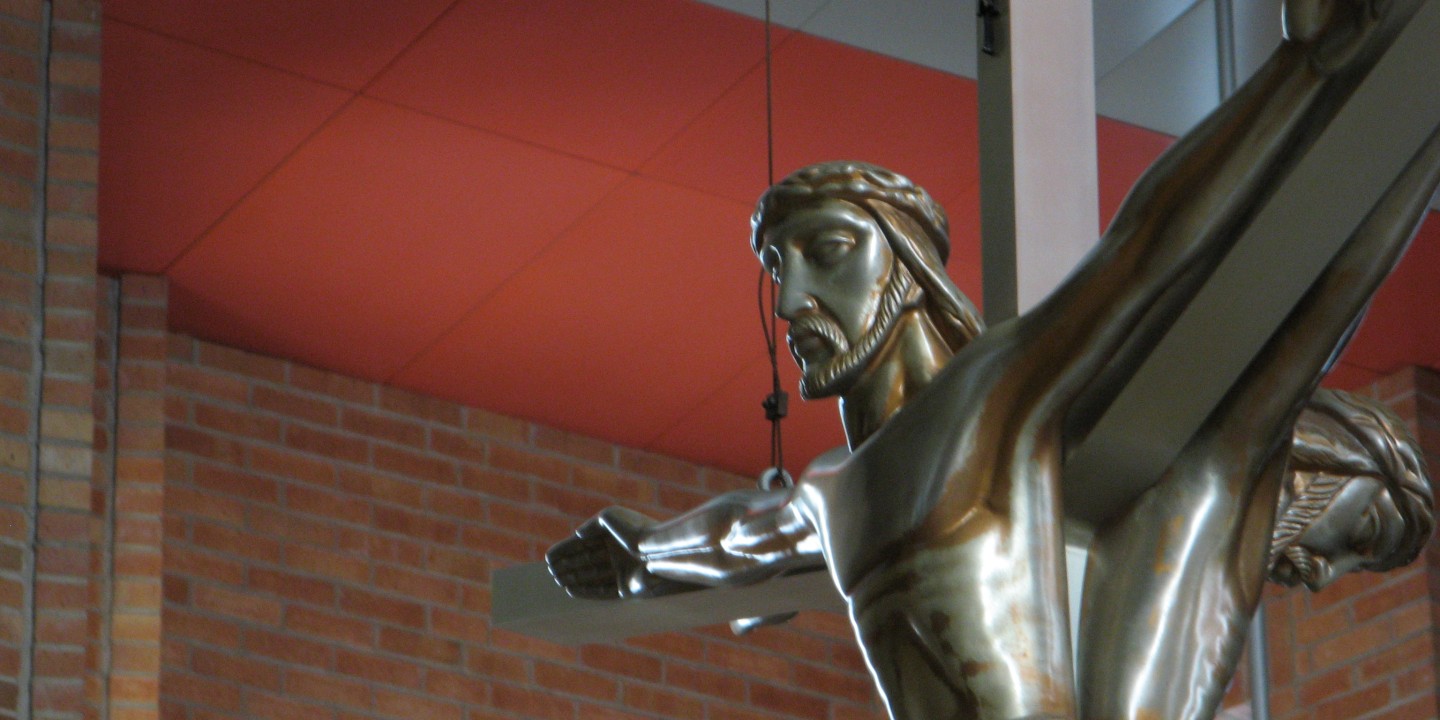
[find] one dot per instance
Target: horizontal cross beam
(525, 599)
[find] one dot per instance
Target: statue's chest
(866, 523)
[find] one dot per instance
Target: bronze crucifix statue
(942, 524)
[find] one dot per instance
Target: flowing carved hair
(913, 224)
(1341, 436)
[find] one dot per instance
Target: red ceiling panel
(462, 248)
(187, 132)
(1391, 337)
(342, 42)
(643, 308)
(609, 80)
(1419, 270)
(1345, 376)
(376, 237)
(832, 102)
(1124, 152)
(964, 264)
(728, 429)
(1387, 334)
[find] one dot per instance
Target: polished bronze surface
(1357, 495)
(942, 525)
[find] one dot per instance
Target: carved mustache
(817, 325)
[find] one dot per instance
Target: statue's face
(832, 263)
(1361, 524)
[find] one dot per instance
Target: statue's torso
(926, 478)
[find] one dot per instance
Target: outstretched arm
(1208, 522)
(735, 539)
(1180, 219)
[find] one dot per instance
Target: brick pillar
(49, 137)
(132, 468)
(19, 300)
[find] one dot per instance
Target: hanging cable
(778, 401)
(769, 107)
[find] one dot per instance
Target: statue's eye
(770, 261)
(1366, 531)
(830, 247)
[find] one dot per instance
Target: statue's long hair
(1342, 436)
(913, 223)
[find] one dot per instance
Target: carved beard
(1296, 564)
(846, 364)
(1291, 562)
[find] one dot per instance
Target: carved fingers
(600, 560)
(585, 566)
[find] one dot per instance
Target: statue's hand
(1339, 31)
(601, 560)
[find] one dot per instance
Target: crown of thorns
(857, 182)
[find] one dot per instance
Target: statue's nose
(794, 301)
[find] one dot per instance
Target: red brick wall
(328, 544)
(49, 106)
(1365, 647)
(127, 655)
(328, 547)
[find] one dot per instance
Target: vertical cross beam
(1039, 180)
(1039, 186)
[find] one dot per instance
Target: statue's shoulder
(826, 470)
(824, 482)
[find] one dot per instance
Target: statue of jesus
(942, 525)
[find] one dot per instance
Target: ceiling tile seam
(746, 205)
(811, 17)
(1179, 17)
(430, 26)
(636, 172)
(209, 229)
(798, 25)
(498, 134)
(1137, 126)
(873, 51)
(526, 265)
(760, 65)
(685, 414)
(233, 56)
(719, 97)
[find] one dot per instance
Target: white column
(1039, 183)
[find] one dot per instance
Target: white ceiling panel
(936, 33)
(790, 13)
(1155, 60)
(1122, 27)
(1257, 33)
(1172, 82)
